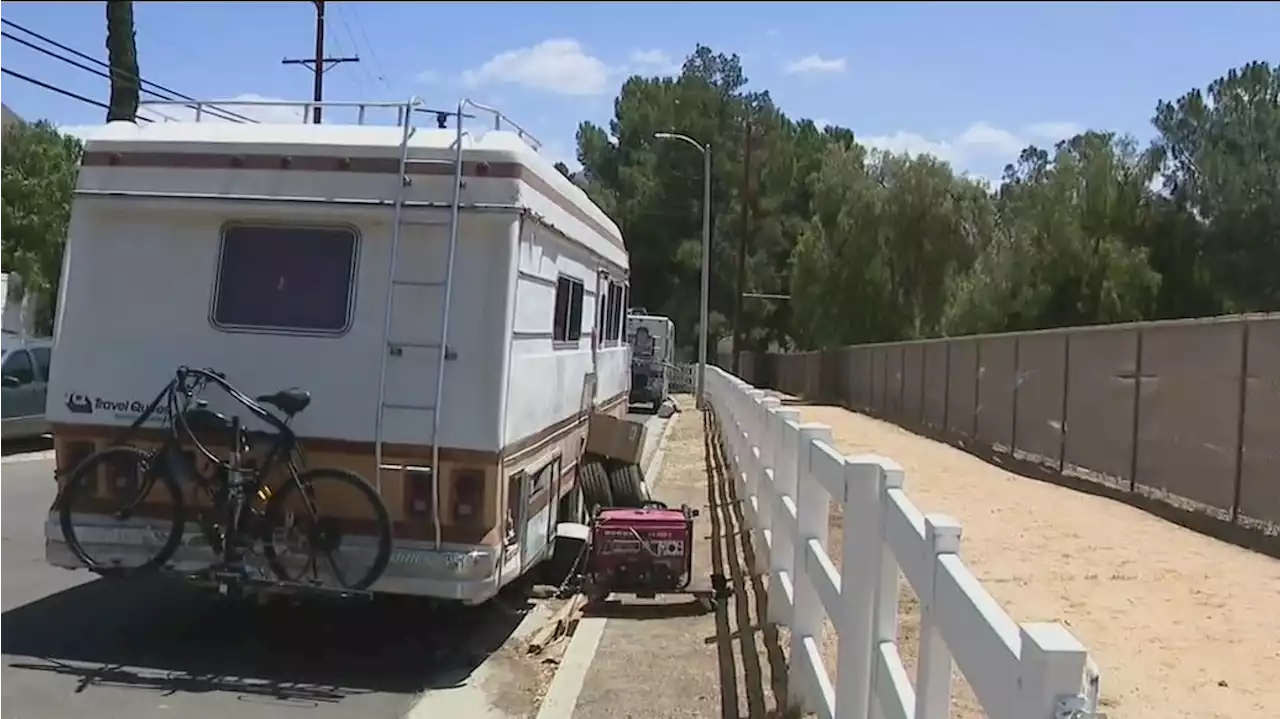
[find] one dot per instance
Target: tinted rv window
(290, 279)
(567, 324)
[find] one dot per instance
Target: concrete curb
(651, 469)
(566, 686)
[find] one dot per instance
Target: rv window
(575, 310)
(615, 312)
(567, 325)
(606, 324)
(285, 278)
(560, 322)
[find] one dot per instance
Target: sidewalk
(664, 658)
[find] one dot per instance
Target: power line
(159, 88)
(373, 53)
(51, 54)
(60, 91)
(355, 44)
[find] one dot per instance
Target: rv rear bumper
(464, 573)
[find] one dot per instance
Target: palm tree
(122, 56)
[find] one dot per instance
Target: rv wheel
(595, 484)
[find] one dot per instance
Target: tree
(122, 58)
(875, 246)
(1222, 148)
(40, 167)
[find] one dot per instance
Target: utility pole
(742, 249)
(319, 64)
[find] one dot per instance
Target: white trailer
(653, 346)
(454, 305)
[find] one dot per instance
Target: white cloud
(982, 137)
(1054, 130)
(558, 65)
(822, 123)
(814, 64)
(428, 76)
(654, 62)
(979, 149)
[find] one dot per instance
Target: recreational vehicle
(652, 339)
(453, 304)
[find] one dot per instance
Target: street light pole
(706, 258)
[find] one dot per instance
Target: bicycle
(245, 509)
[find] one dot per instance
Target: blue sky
(972, 82)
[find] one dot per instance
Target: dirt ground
(1182, 626)
(663, 658)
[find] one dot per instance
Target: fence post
(1051, 666)
(933, 670)
(977, 384)
(1135, 436)
(780, 548)
(859, 566)
(1242, 409)
(752, 501)
(813, 510)
(1063, 424)
(886, 575)
(1017, 385)
(767, 498)
(946, 390)
(755, 435)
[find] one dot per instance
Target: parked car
(25, 376)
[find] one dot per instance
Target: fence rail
(788, 475)
(1186, 412)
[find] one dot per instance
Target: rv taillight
(419, 491)
(468, 494)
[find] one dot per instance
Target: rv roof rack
(229, 111)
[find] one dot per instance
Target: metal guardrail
(225, 111)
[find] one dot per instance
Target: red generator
(644, 552)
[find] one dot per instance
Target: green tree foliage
(40, 166)
(876, 246)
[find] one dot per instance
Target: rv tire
(278, 505)
(595, 484)
(626, 483)
(84, 484)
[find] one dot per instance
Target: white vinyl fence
(787, 475)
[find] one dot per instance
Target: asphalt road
(75, 646)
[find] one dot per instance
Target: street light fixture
(706, 256)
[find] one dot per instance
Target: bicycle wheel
(336, 529)
(128, 525)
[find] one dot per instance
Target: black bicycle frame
(284, 447)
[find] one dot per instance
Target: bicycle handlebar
(202, 377)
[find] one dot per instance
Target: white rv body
(160, 271)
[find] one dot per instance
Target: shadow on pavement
(160, 635)
(28, 444)
(728, 528)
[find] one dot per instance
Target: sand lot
(1182, 626)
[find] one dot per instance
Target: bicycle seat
(290, 401)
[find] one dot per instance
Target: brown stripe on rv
(342, 446)
(416, 528)
(371, 165)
